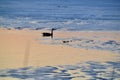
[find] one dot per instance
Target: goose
(46, 34)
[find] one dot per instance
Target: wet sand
(15, 44)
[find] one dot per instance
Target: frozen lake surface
(61, 14)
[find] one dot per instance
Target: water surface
(62, 14)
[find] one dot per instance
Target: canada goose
(46, 34)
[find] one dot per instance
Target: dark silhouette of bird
(46, 34)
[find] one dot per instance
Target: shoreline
(48, 28)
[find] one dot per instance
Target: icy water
(61, 14)
(109, 45)
(81, 71)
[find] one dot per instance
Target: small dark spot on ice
(67, 41)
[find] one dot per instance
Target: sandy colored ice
(15, 43)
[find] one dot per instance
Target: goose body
(47, 34)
